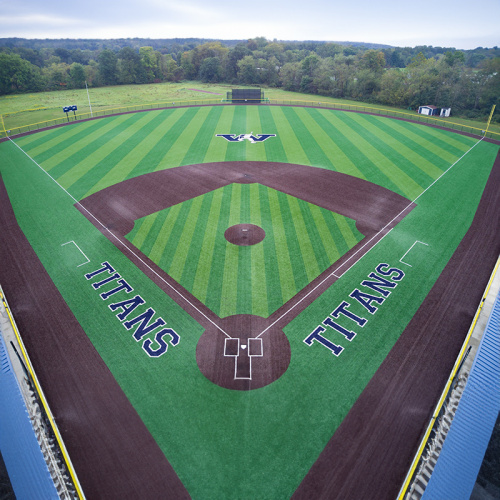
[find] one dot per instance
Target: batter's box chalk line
(234, 348)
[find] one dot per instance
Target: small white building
(431, 110)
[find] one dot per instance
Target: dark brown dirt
(244, 234)
(372, 450)
(113, 453)
(375, 209)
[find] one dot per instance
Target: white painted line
(88, 260)
(361, 248)
(123, 244)
(408, 251)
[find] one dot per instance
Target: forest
(468, 81)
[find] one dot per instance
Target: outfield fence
(99, 113)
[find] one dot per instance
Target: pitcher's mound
(245, 234)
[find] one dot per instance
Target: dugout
(246, 96)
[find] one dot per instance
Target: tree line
(466, 81)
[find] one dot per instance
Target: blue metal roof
(459, 462)
(21, 452)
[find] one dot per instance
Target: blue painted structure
(463, 451)
(21, 452)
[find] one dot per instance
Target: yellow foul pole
(489, 119)
(3, 126)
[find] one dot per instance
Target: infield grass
(290, 257)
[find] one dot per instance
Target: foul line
(123, 244)
(364, 245)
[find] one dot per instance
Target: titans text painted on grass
(386, 279)
(127, 306)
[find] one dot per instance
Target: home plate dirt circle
(239, 359)
(244, 234)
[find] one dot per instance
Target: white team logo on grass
(250, 137)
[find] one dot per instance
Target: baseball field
(245, 301)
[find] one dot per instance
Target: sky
(463, 24)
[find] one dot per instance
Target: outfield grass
(260, 443)
(89, 156)
(32, 108)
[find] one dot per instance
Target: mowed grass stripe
(155, 159)
(43, 144)
(218, 145)
(141, 230)
(187, 232)
(331, 141)
(187, 138)
(442, 157)
(292, 146)
(348, 230)
(309, 227)
(345, 140)
(196, 245)
(237, 151)
(244, 279)
(231, 261)
(286, 272)
(173, 241)
(272, 281)
(302, 254)
(198, 148)
(152, 136)
(213, 299)
(66, 156)
(80, 183)
(428, 153)
(314, 151)
(255, 151)
(445, 140)
(258, 271)
(273, 146)
(206, 256)
(335, 232)
(392, 149)
(382, 166)
(159, 243)
(328, 243)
